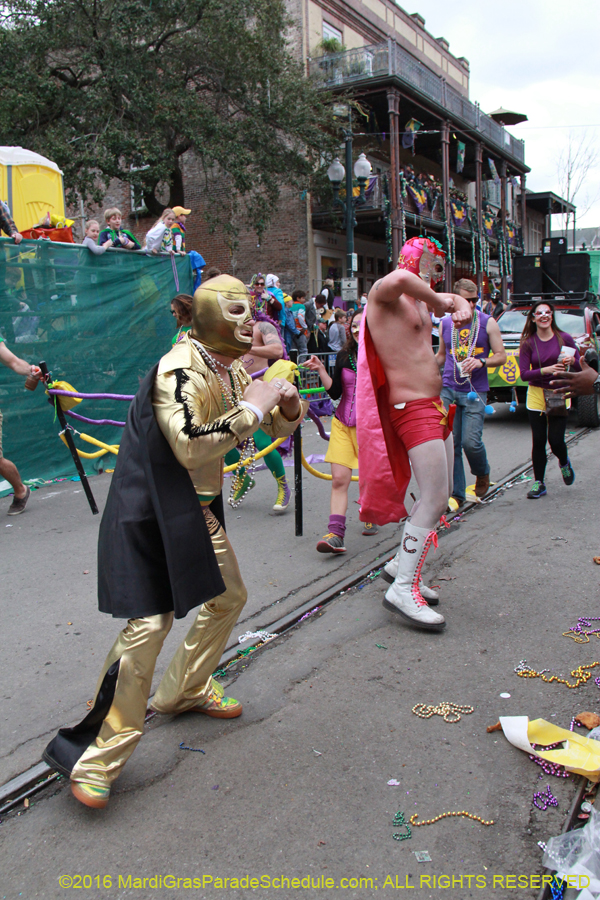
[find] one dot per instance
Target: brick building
(468, 170)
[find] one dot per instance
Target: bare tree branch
(573, 167)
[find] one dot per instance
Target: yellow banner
(509, 372)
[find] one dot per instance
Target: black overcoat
(154, 550)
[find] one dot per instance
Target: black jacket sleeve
(341, 362)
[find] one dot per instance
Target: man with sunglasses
(464, 355)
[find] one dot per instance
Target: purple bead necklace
(581, 632)
(544, 799)
(548, 767)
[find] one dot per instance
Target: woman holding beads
(545, 352)
(342, 452)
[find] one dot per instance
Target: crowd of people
(226, 389)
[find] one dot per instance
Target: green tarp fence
(99, 322)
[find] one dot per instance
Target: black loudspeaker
(554, 246)
(551, 274)
(574, 270)
(527, 275)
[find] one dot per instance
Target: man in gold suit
(162, 548)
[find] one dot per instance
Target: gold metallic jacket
(190, 412)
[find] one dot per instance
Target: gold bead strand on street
(523, 670)
(450, 712)
(462, 812)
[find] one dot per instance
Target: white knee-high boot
(389, 572)
(404, 596)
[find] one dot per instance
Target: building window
(491, 191)
(535, 236)
(137, 194)
(330, 33)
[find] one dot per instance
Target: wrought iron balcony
(389, 59)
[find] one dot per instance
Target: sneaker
(370, 528)
(538, 490)
(218, 705)
(90, 794)
(331, 543)
(18, 506)
(284, 495)
(244, 486)
(567, 472)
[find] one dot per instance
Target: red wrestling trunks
(420, 421)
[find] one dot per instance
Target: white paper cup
(566, 353)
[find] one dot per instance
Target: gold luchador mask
(222, 316)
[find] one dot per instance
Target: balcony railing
(390, 59)
(374, 198)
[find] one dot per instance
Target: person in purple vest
(465, 353)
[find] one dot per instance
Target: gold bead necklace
(462, 812)
(523, 670)
(451, 712)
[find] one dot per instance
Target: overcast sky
(539, 58)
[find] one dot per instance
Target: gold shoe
(218, 705)
(90, 794)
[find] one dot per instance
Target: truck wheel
(588, 411)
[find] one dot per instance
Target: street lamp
(336, 174)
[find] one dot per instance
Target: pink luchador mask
(425, 258)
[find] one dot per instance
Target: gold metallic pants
(186, 683)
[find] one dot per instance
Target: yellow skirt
(535, 399)
(343, 446)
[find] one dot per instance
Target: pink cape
(384, 469)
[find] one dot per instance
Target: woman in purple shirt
(545, 352)
(342, 452)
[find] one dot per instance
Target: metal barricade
(309, 379)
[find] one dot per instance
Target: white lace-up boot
(404, 596)
(389, 572)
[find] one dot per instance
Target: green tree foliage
(105, 87)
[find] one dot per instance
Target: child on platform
(160, 237)
(119, 237)
(90, 240)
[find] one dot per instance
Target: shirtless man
(266, 349)
(406, 383)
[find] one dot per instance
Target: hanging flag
(460, 156)
(419, 196)
(494, 171)
(488, 220)
(408, 138)
(459, 212)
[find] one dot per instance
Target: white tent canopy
(18, 156)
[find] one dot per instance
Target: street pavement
(299, 785)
